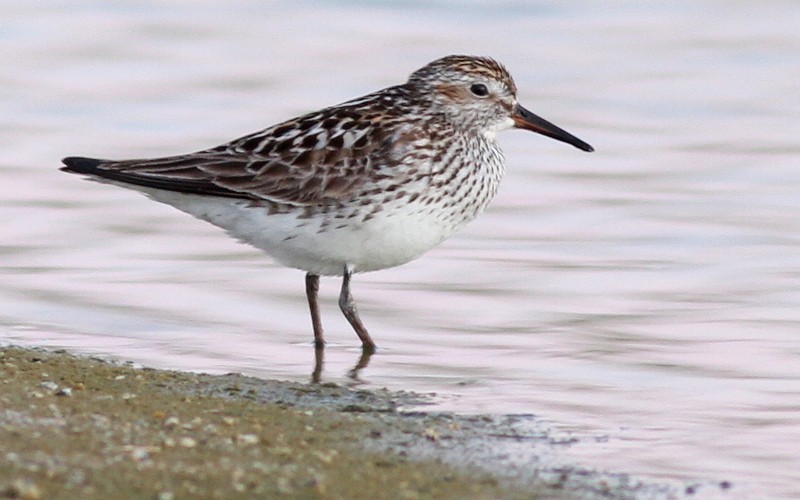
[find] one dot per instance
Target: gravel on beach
(80, 427)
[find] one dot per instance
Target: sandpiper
(368, 184)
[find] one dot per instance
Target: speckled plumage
(364, 185)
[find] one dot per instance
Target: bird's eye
(479, 90)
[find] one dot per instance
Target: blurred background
(643, 297)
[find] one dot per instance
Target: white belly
(322, 245)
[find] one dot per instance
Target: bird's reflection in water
(353, 374)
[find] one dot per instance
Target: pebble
(325, 457)
(194, 423)
(247, 439)
(172, 422)
(431, 434)
(140, 453)
(188, 442)
(49, 385)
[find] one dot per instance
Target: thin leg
(348, 307)
(319, 361)
(312, 289)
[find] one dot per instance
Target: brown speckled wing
(319, 158)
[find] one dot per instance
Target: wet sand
(78, 427)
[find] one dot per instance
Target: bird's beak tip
(524, 119)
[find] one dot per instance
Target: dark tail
(99, 168)
(80, 165)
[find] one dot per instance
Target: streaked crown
(463, 68)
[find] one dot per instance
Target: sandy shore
(77, 427)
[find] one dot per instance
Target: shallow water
(647, 293)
